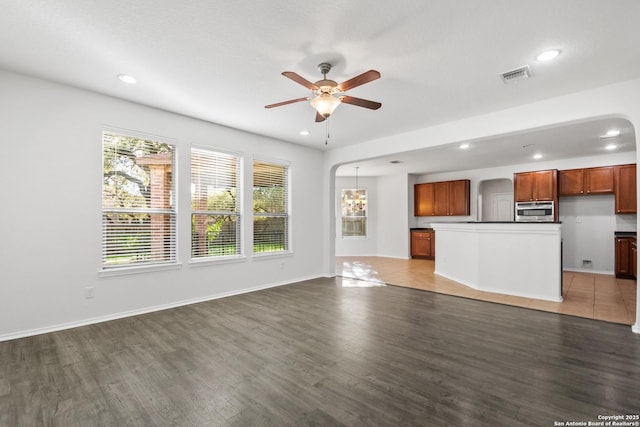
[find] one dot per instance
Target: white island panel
(521, 259)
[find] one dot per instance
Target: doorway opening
(495, 200)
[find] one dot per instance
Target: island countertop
(513, 258)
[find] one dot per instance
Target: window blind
(215, 204)
(138, 209)
(270, 207)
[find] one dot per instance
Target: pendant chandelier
(358, 204)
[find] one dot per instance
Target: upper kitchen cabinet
(446, 198)
(577, 182)
(452, 198)
(423, 199)
(459, 197)
(625, 188)
(535, 186)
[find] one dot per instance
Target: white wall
(51, 171)
(588, 226)
(387, 221)
(363, 246)
(393, 224)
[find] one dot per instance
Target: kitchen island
(512, 258)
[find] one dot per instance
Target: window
(138, 209)
(270, 207)
(354, 213)
(215, 204)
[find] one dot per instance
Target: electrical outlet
(586, 263)
(89, 292)
(282, 266)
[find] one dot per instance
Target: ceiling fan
(328, 94)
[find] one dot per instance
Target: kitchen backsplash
(626, 222)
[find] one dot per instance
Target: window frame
(364, 217)
(172, 261)
(239, 213)
(288, 246)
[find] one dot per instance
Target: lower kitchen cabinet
(626, 255)
(423, 244)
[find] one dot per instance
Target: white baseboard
(394, 257)
(499, 291)
(373, 255)
(115, 316)
(588, 270)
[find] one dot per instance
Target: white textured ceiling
(221, 61)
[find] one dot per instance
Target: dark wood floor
(325, 352)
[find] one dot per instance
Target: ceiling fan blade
(361, 79)
(320, 117)
(372, 105)
(300, 80)
(291, 101)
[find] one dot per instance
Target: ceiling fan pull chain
(326, 141)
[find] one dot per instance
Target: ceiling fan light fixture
(325, 104)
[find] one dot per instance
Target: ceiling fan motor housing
(324, 68)
(325, 85)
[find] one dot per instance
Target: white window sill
(137, 269)
(203, 262)
(269, 255)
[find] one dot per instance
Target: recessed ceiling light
(611, 146)
(537, 156)
(547, 55)
(464, 146)
(127, 78)
(395, 162)
(304, 132)
(613, 132)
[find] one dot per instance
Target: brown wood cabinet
(423, 244)
(459, 197)
(442, 196)
(625, 257)
(625, 188)
(446, 198)
(423, 199)
(576, 182)
(537, 185)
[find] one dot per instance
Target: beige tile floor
(595, 296)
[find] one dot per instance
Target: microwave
(535, 212)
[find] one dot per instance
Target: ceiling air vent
(517, 74)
